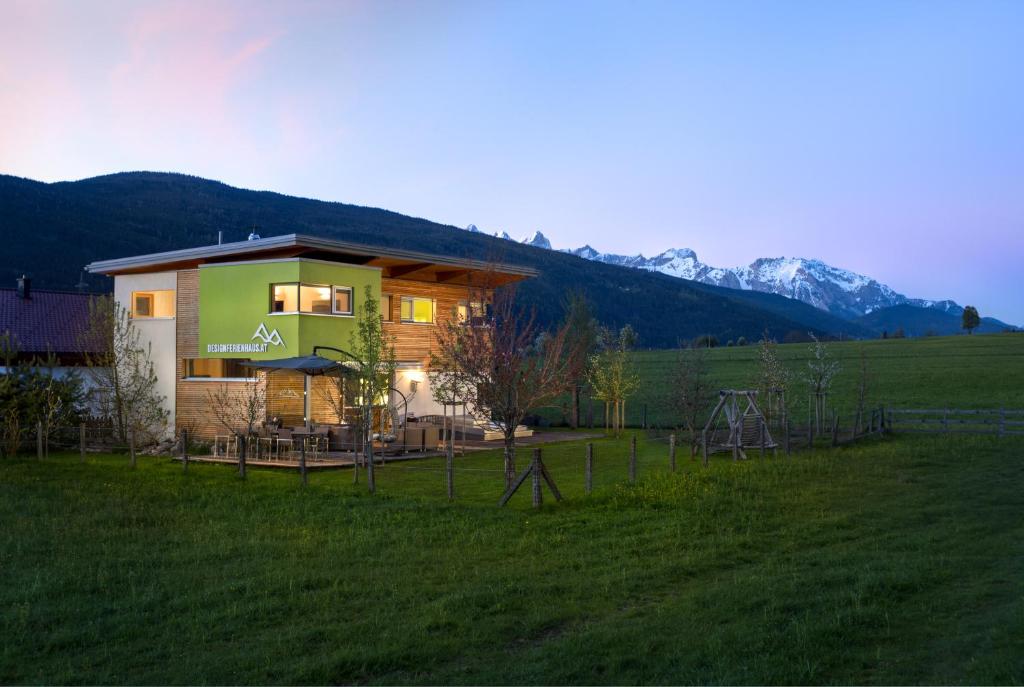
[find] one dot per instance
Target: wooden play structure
(736, 424)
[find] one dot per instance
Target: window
(315, 299)
(310, 298)
(285, 298)
(419, 310)
(385, 308)
(217, 368)
(150, 304)
(342, 300)
(465, 310)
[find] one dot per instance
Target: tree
(772, 381)
(373, 352)
(507, 367)
(821, 371)
(863, 387)
(31, 394)
(970, 319)
(582, 337)
(692, 391)
(123, 369)
(240, 409)
(612, 375)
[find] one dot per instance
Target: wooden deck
(335, 460)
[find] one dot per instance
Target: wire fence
(570, 468)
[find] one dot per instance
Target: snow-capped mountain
(838, 291)
(814, 282)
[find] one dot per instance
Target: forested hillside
(51, 231)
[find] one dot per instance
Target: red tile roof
(48, 321)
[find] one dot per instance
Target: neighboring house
(206, 310)
(47, 322)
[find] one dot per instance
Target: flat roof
(393, 262)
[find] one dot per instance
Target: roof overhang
(393, 262)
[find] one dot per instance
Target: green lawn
(894, 561)
(981, 371)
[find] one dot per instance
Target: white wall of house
(160, 333)
(415, 384)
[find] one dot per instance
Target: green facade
(234, 308)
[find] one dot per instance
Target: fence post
(535, 473)
(786, 425)
(645, 416)
(672, 452)
(881, 420)
(632, 459)
(241, 459)
(835, 428)
(81, 442)
(302, 463)
(704, 446)
(761, 425)
(449, 467)
(131, 446)
(184, 450)
(39, 440)
(588, 469)
(810, 435)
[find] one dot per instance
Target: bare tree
(692, 391)
(240, 408)
(612, 376)
(119, 364)
(583, 332)
(373, 353)
(821, 371)
(507, 366)
(773, 380)
(863, 387)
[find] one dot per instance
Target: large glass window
(419, 310)
(284, 298)
(147, 304)
(315, 299)
(217, 368)
(342, 300)
(311, 298)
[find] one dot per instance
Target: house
(206, 310)
(42, 323)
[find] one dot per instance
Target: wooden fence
(991, 421)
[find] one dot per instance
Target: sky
(882, 137)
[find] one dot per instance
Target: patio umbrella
(309, 365)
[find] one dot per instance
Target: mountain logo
(271, 338)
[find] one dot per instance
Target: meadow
(981, 371)
(897, 559)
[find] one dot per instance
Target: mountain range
(835, 290)
(52, 230)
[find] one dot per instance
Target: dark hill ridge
(52, 230)
(915, 321)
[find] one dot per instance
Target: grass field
(981, 371)
(893, 560)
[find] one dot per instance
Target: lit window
(342, 300)
(148, 304)
(285, 298)
(465, 307)
(315, 299)
(420, 310)
(385, 308)
(217, 368)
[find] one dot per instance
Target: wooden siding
(415, 342)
